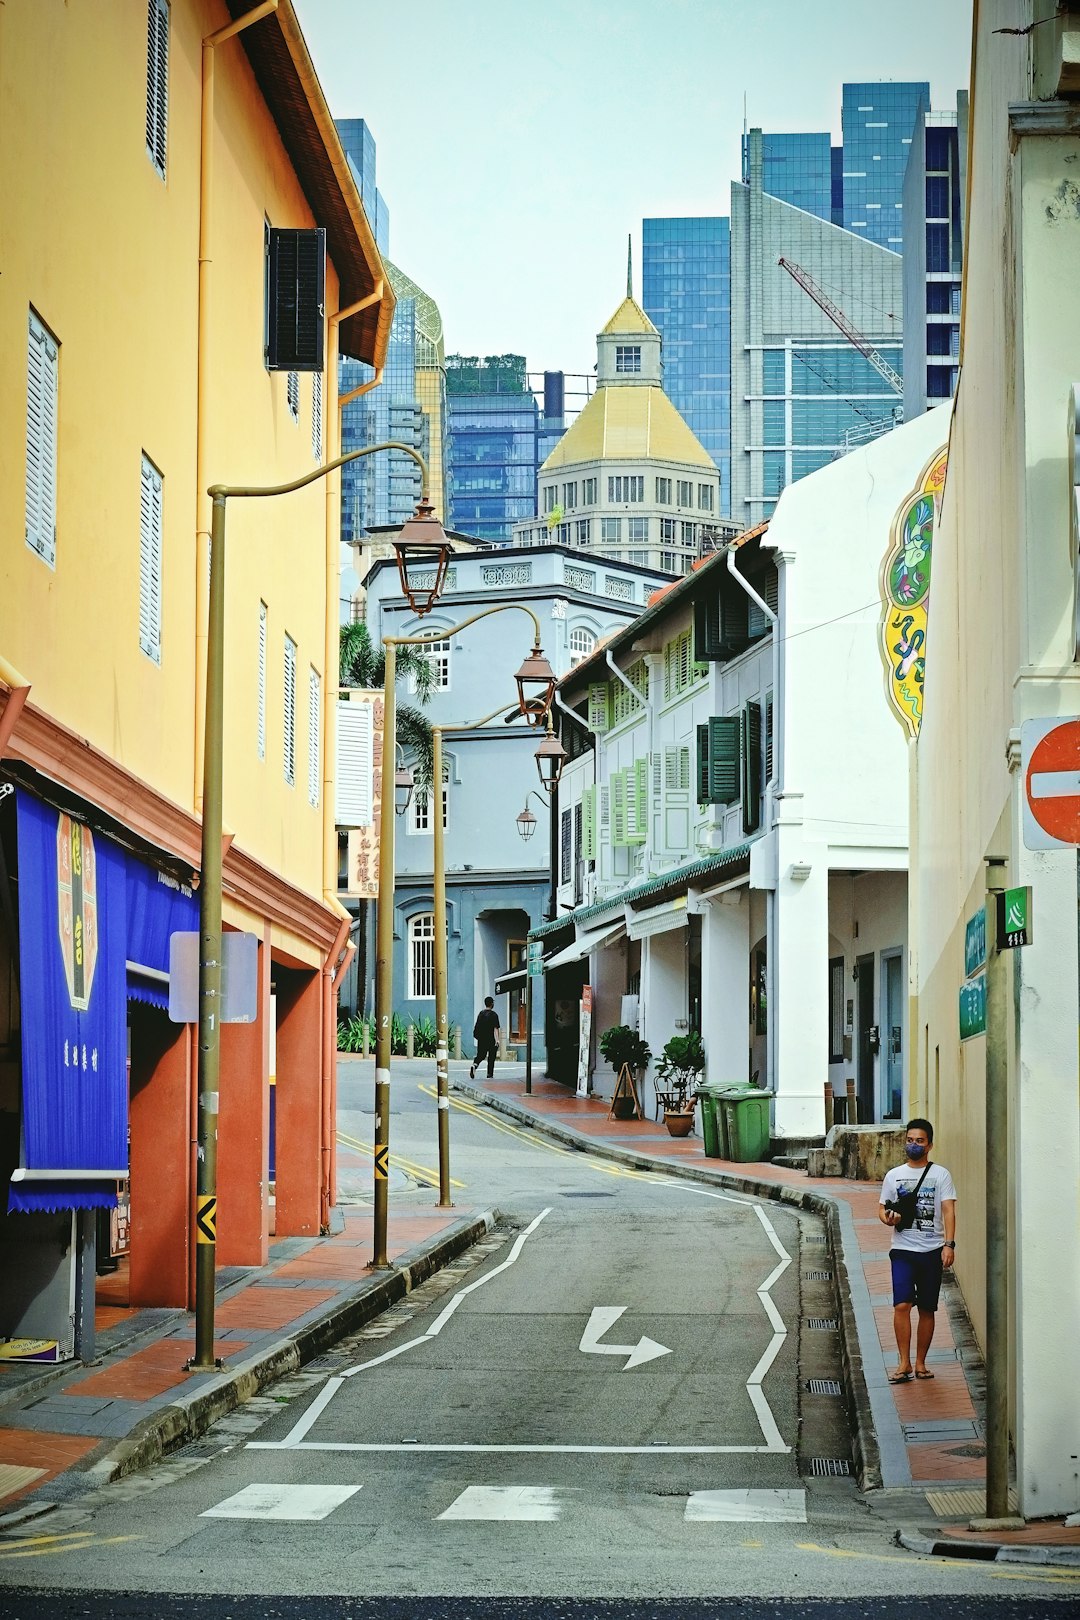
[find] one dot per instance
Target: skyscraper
(934, 190)
(359, 146)
(796, 168)
(686, 293)
(878, 123)
(493, 422)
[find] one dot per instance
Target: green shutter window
(751, 767)
(703, 765)
(676, 770)
(637, 818)
(618, 808)
(598, 707)
(724, 758)
(588, 824)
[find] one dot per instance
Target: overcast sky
(520, 141)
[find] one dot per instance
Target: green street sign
(1013, 919)
(975, 944)
(536, 959)
(973, 1008)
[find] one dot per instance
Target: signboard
(239, 978)
(536, 959)
(1013, 919)
(584, 1041)
(973, 1008)
(975, 943)
(1050, 760)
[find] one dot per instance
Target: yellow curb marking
(530, 1137)
(84, 1541)
(422, 1171)
(1059, 1574)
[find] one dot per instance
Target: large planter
(623, 1108)
(678, 1122)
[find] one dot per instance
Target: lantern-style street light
(423, 538)
(536, 685)
(526, 821)
(550, 758)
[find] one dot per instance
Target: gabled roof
(629, 424)
(286, 77)
(630, 317)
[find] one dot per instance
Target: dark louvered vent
(296, 282)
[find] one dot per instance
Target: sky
(519, 142)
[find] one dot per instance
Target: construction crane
(840, 320)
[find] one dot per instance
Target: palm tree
(363, 664)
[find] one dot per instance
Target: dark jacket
(487, 1022)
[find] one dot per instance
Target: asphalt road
(595, 1412)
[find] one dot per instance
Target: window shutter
(751, 767)
(316, 415)
(150, 502)
(292, 394)
(604, 818)
(296, 288)
(733, 632)
(768, 737)
(353, 778)
(588, 824)
(314, 736)
(565, 834)
(676, 769)
(640, 821)
(599, 709)
(157, 82)
(261, 720)
(767, 587)
(618, 808)
(724, 758)
(289, 750)
(703, 796)
(42, 378)
(657, 760)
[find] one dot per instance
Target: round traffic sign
(1052, 783)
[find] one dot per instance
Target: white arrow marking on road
(604, 1317)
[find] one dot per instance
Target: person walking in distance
(486, 1035)
(918, 1201)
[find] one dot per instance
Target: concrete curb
(189, 1416)
(990, 1552)
(860, 1411)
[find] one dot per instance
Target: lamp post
(421, 538)
(526, 821)
(536, 686)
(550, 758)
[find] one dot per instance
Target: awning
(587, 943)
(511, 981)
(659, 920)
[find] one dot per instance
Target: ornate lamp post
(430, 543)
(526, 821)
(550, 758)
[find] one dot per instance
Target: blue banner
(157, 906)
(72, 984)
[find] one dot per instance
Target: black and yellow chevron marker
(206, 1219)
(381, 1155)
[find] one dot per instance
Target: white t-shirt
(928, 1231)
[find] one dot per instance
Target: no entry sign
(1050, 758)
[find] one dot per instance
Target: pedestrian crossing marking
(514, 1502)
(295, 1502)
(746, 1506)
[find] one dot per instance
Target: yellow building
(149, 203)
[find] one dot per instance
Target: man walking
(486, 1035)
(918, 1201)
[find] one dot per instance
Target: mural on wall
(905, 591)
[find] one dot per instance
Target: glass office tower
(493, 423)
(359, 146)
(878, 122)
(686, 293)
(798, 169)
(934, 191)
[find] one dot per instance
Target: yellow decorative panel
(905, 591)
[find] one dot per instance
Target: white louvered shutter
(289, 752)
(150, 506)
(292, 394)
(42, 380)
(157, 83)
(263, 614)
(316, 415)
(354, 801)
(314, 736)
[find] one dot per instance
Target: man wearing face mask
(918, 1201)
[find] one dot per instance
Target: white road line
(301, 1427)
(746, 1507)
(505, 1502)
(571, 1451)
(298, 1503)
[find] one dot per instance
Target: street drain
(824, 1386)
(826, 1324)
(818, 1276)
(587, 1195)
(821, 1467)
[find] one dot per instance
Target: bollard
(457, 1041)
(852, 1117)
(410, 1040)
(502, 1047)
(366, 1043)
(829, 1121)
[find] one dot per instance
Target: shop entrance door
(868, 1040)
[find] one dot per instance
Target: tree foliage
(363, 664)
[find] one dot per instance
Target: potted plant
(628, 1055)
(682, 1061)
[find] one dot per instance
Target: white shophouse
(733, 821)
(628, 480)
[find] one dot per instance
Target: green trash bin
(709, 1098)
(746, 1123)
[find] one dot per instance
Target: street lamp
(550, 758)
(526, 821)
(436, 548)
(536, 685)
(404, 782)
(529, 709)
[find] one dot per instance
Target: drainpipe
(202, 405)
(18, 692)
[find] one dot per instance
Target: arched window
(582, 642)
(422, 956)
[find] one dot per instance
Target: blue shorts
(916, 1277)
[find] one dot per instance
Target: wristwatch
(949, 1245)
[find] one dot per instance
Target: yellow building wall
(107, 255)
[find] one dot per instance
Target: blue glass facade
(493, 421)
(798, 169)
(359, 146)
(686, 293)
(879, 126)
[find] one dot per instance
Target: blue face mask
(914, 1150)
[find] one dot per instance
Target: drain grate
(817, 1276)
(822, 1467)
(825, 1324)
(824, 1386)
(587, 1195)
(813, 1239)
